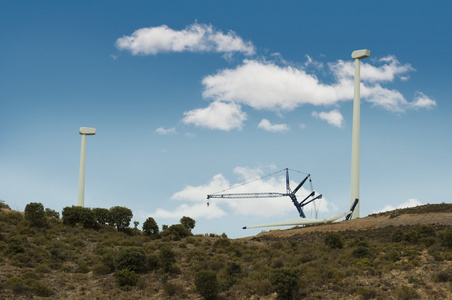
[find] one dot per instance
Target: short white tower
(357, 56)
(84, 131)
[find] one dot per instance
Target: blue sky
(192, 97)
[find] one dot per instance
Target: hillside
(402, 254)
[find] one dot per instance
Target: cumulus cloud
(267, 126)
(164, 131)
(263, 85)
(266, 85)
(422, 101)
(194, 38)
(412, 202)
(194, 197)
(218, 115)
(333, 117)
(387, 72)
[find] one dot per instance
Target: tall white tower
(357, 56)
(84, 131)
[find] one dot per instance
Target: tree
(188, 222)
(131, 258)
(52, 213)
(150, 227)
(177, 232)
(120, 217)
(34, 212)
(101, 215)
(74, 215)
(206, 284)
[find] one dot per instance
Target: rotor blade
(301, 221)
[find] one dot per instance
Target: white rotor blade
(302, 221)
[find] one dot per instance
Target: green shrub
(150, 227)
(188, 222)
(131, 258)
(42, 268)
(285, 282)
(120, 217)
(361, 252)
(101, 269)
(16, 284)
(101, 215)
(177, 232)
(172, 289)
(334, 241)
(4, 205)
(52, 213)
(79, 215)
(152, 262)
(15, 245)
(443, 276)
(206, 284)
(126, 277)
(167, 257)
(367, 293)
(40, 289)
(35, 214)
(446, 238)
(407, 293)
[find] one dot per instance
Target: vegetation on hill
(94, 254)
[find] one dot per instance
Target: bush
(52, 213)
(40, 289)
(120, 217)
(443, 276)
(101, 215)
(167, 257)
(4, 205)
(206, 284)
(16, 284)
(397, 236)
(150, 227)
(446, 238)
(126, 278)
(34, 213)
(131, 258)
(15, 245)
(361, 252)
(285, 282)
(177, 232)
(188, 222)
(101, 269)
(79, 215)
(334, 241)
(407, 293)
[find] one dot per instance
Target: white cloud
(194, 198)
(333, 117)
(422, 101)
(194, 38)
(412, 202)
(164, 131)
(265, 85)
(267, 126)
(390, 69)
(218, 115)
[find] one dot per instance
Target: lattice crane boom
(290, 193)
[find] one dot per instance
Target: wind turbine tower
(357, 56)
(84, 131)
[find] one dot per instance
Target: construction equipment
(289, 193)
